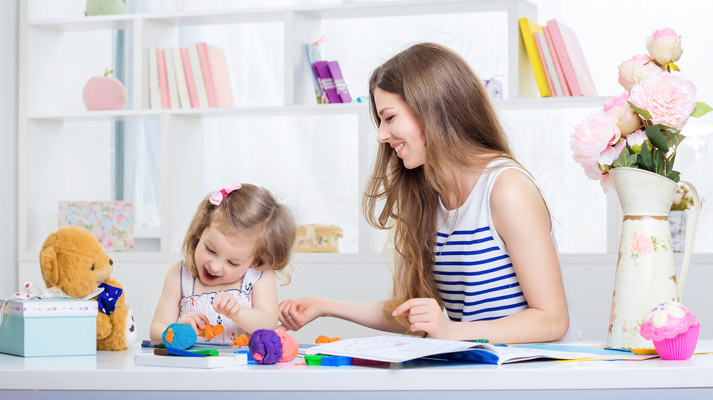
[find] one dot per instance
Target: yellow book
(528, 28)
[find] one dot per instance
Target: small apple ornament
(104, 93)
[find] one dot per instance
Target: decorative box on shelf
(318, 238)
(49, 327)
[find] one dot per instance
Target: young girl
(238, 238)
(473, 234)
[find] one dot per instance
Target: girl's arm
(263, 314)
(167, 308)
(306, 309)
(522, 220)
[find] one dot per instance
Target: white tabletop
(115, 371)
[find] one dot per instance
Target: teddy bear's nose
(111, 262)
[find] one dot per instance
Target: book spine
(541, 52)
(192, 94)
(556, 62)
(528, 39)
(327, 82)
(221, 77)
(198, 76)
(180, 78)
(341, 86)
(550, 65)
(162, 79)
(154, 86)
(207, 74)
(564, 59)
(171, 77)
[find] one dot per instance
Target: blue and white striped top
(473, 272)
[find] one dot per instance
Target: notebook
(223, 360)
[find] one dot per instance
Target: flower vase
(678, 220)
(645, 270)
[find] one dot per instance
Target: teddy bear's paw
(131, 332)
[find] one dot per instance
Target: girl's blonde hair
(461, 130)
(250, 210)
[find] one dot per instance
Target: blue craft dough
(265, 346)
(183, 336)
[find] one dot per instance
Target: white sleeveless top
(203, 303)
(473, 271)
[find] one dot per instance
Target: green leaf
(656, 138)
(657, 163)
(621, 160)
(640, 111)
(701, 109)
(645, 156)
(674, 176)
(631, 160)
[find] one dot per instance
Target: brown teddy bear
(72, 260)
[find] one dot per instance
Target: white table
(113, 375)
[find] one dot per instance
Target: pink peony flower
(664, 46)
(642, 243)
(611, 153)
(607, 183)
(636, 139)
(593, 172)
(669, 98)
(592, 136)
(637, 69)
(618, 107)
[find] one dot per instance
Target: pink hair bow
(217, 197)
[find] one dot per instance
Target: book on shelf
(331, 81)
(154, 87)
(180, 76)
(571, 58)
(528, 29)
(198, 75)
(313, 55)
(190, 83)
(400, 349)
(556, 62)
(207, 74)
(552, 79)
(162, 79)
(171, 78)
(221, 77)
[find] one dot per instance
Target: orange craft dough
(169, 335)
(211, 331)
(241, 340)
(321, 339)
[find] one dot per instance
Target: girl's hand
(226, 304)
(427, 316)
(296, 313)
(196, 320)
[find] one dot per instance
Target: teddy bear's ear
(48, 265)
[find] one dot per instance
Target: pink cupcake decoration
(674, 330)
(104, 93)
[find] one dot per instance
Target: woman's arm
(306, 309)
(167, 308)
(522, 220)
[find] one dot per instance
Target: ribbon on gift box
(30, 291)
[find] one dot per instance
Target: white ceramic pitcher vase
(645, 269)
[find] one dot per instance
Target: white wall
(8, 146)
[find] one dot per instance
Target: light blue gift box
(49, 327)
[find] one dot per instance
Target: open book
(398, 349)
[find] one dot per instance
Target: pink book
(207, 74)
(544, 64)
(221, 77)
(163, 79)
(574, 65)
(192, 94)
(563, 56)
(556, 61)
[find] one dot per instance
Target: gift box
(49, 327)
(318, 238)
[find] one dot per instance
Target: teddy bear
(72, 260)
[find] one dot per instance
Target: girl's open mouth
(207, 276)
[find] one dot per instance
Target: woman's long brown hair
(461, 130)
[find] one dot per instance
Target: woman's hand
(226, 304)
(427, 316)
(196, 320)
(296, 313)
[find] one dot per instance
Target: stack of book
(192, 77)
(329, 84)
(557, 59)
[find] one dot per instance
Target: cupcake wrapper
(680, 347)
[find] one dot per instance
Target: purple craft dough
(265, 346)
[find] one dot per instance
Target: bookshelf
(45, 120)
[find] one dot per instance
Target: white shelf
(277, 14)
(295, 110)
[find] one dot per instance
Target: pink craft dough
(289, 346)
